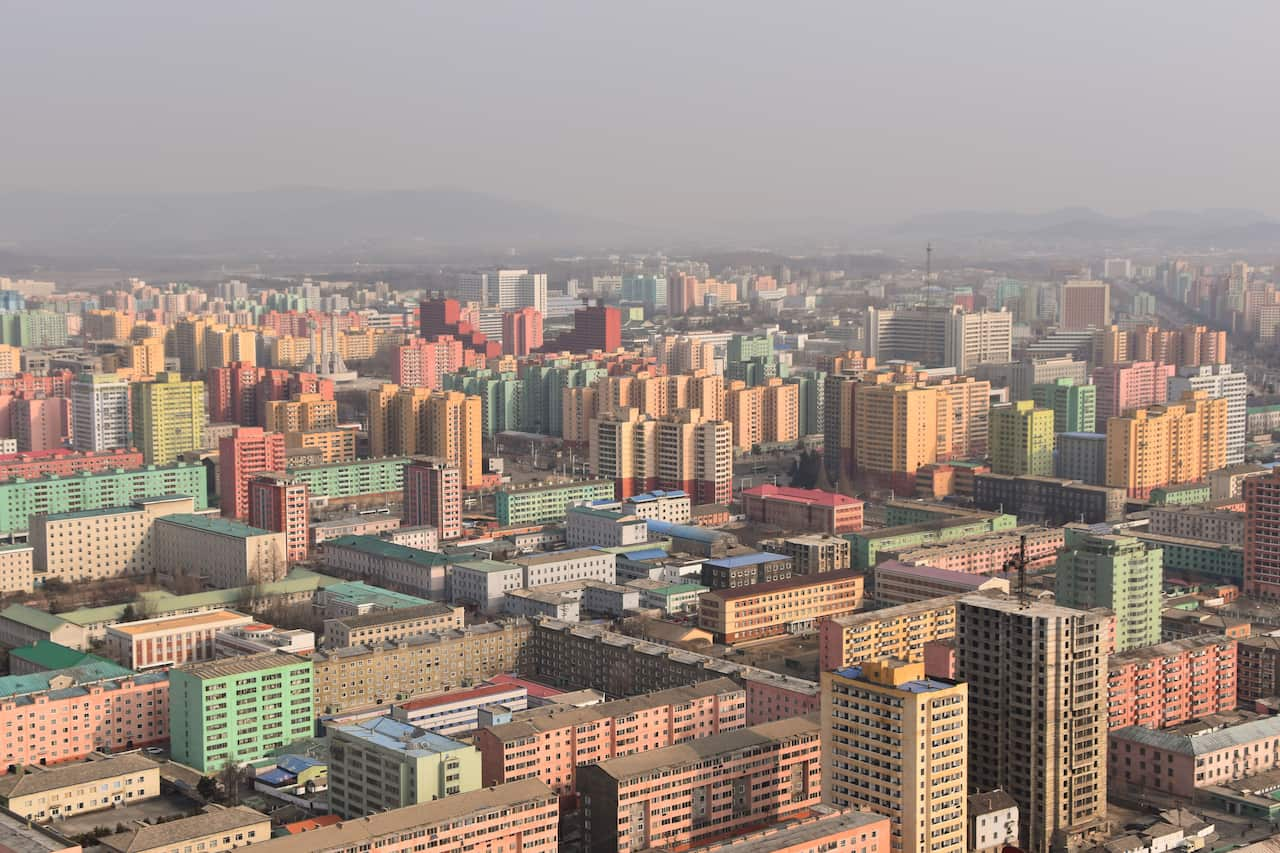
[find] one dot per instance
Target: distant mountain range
(327, 223)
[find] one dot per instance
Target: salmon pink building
(1179, 763)
(795, 509)
(551, 742)
(1128, 386)
(1171, 683)
(63, 720)
(423, 363)
(244, 453)
(63, 463)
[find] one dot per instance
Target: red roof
(458, 696)
(536, 690)
(790, 493)
(311, 823)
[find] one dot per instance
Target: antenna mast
(1019, 563)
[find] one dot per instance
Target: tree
(207, 788)
(129, 614)
(229, 776)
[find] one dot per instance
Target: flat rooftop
(384, 617)
(216, 525)
(558, 556)
(695, 751)
(395, 736)
(212, 618)
(919, 685)
(224, 667)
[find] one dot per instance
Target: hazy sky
(641, 111)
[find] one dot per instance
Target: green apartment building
(543, 504)
(1119, 573)
(1022, 440)
(238, 709)
(866, 545)
(384, 475)
(1075, 407)
(20, 499)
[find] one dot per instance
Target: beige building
(214, 830)
(813, 554)
(898, 632)
(102, 543)
(42, 794)
(170, 640)
(895, 743)
(219, 552)
(17, 563)
(414, 666)
(387, 625)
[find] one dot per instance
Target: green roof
(486, 565)
(48, 655)
(359, 592)
(383, 548)
(32, 618)
(19, 685)
(214, 524)
(677, 588)
(91, 513)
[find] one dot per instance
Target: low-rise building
(1178, 624)
(899, 583)
(44, 656)
(218, 552)
(94, 707)
(985, 553)
(238, 710)
(790, 606)
(813, 553)
(539, 504)
(1220, 560)
(1171, 683)
(43, 794)
(1179, 762)
(355, 598)
(899, 632)
(993, 822)
(796, 509)
(260, 637)
(382, 626)
(747, 569)
(1197, 522)
(458, 711)
(424, 537)
(170, 640)
(1048, 500)
(870, 545)
(386, 564)
(217, 828)
(102, 543)
(822, 828)
(569, 600)
(21, 625)
(586, 527)
(483, 584)
(703, 788)
(381, 764)
(522, 816)
(414, 666)
(580, 564)
(374, 524)
(670, 505)
(673, 599)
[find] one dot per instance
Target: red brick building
(1172, 683)
(247, 451)
(279, 504)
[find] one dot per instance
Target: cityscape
(587, 454)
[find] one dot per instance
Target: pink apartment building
(550, 743)
(521, 817)
(688, 794)
(1127, 386)
(1176, 763)
(1171, 683)
(66, 721)
(422, 363)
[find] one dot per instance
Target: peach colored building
(1171, 683)
(796, 509)
(690, 793)
(1179, 763)
(520, 817)
(551, 742)
(1132, 385)
(821, 830)
(64, 720)
(899, 632)
(63, 463)
(786, 606)
(170, 640)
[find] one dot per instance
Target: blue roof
(296, 764)
(683, 531)
(647, 554)
(401, 737)
(1084, 435)
(921, 685)
(276, 776)
(746, 560)
(658, 494)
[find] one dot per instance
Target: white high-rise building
(509, 290)
(99, 412)
(1117, 268)
(1219, 380)
(979, 337)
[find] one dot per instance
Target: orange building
(895, 430)
(779, 607)
(1167, 444)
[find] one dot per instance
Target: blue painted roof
(276, 776)
(657, 494)
(745, 560)
(683, 531)
(647, 554)
(296, 764)
(922, 685)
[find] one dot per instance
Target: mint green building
(1075, 407)
(20, 499)
(753, 360)
(1119, 573)
(35, 329)
(1180, 495)
(530, 401)
(1221, 561)
(866, 545)
(1022, 440)
(238, 709)
(543, 504)
(349, 479)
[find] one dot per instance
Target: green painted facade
(20, 499)
(752, 359)
(1075, 407)
(1119, 573)
(531, 401)
(1218, 560)
(35, 329)
(238, 709)
(1022, 440)
(813, 404)
(866, 546)
(543, 504)
(349, 479)
(1187, 493)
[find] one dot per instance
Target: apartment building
(898, 583)
(540, 504)
(238, 710)
(170, 640)
(387, 625)
(433, 496)
(484, 584)
(102, 543)
(571, 565)
(1257, 669)
(61, 462)
(283, 506)
(1181, 762)
(17, 568)
(550, 743)
(90, 713)
(458, 711)
(570, 599)
(1167, 444)
(1195, 522)
(689, 793)
(895, 742)
(1172, 683)
(812, 553)
(414, 666)
(800, 510)
(522, 816)
(381, 764)
(739, 570)
(899, 632)
(43, 794)
(397, 567)
(219, 552)
(792, 606)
